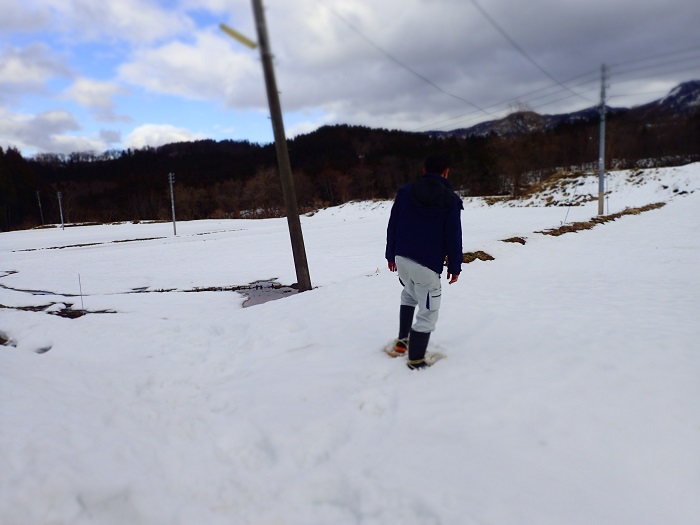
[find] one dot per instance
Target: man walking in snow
(424, 228)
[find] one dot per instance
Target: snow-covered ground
(571, 392)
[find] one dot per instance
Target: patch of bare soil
(89, 244)
(67, 310)
(257, 292)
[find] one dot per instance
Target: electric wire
(431, 83)
(620, 74)
(520, 49)
(401, 63)
(632, 78)
(528, 98)
(660, 55)
(638, 94)
(623, 71)
(525, 98)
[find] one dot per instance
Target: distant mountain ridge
(682, 100)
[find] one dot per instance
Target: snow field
(569, 395)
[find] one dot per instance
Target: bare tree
(263, 194)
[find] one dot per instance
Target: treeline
(333, 165)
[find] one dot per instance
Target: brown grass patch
(473, 256)
(519, 240)
(567, 228)
(554, 181)
(602, 219)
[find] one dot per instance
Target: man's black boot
(416, 350)
(405, 320)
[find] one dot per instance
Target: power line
(435, 125)
(521, 50)
(656, 69)
(661, 55)
(635, 94)
(658, 66)
(639, 94)
(525, 98)
(481, 109)
(401, 63)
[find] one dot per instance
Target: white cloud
(217, 6)
(302, 128)
(97, 96)
(136, 21)
(94, 94)
(25, 126)
(210, 68)
(110, 136)
(29, 68)
(158, 134)
(347, 61)
(16, 16)
(45, 132)
(73, 143)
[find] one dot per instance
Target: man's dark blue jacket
(425, 224)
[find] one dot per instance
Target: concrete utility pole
(171, 178)
(601, 149)
(60, 207)
(290, 198)
(41, 210)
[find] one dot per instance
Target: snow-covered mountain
(682, 100)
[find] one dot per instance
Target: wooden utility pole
(290, 199)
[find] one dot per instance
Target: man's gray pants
(421, 288)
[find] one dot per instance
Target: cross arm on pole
(238, 36)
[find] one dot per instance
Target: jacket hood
(432, 191)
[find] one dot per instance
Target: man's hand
(392, 266)
(452, 277)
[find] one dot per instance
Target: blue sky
(78, 75)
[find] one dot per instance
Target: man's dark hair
(437, 164)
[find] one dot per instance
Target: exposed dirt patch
(519, 240)
(257, 292)
(264, 291)
(66, 311)
(89, 244)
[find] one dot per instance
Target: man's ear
(445, 173)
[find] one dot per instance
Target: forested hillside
(334, 164)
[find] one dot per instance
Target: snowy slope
(569, 396)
